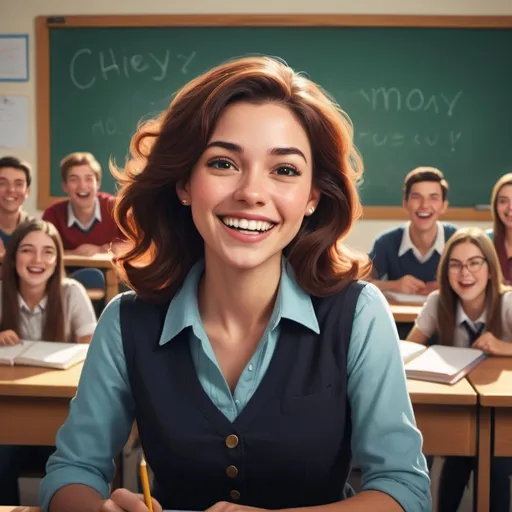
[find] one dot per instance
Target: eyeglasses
(474, 265)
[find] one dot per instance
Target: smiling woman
(251, 356)
(37, 303)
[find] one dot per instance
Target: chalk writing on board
(395, 139)
(188, 60)
(413, 100)
(109, 64)
(104, 126)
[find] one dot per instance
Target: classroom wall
(17, 16)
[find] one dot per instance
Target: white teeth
(246, 224)
(82, 194)
(423, 215)
(35, 270)
(10, 199)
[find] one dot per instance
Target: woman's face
(252, 187)
(504, 205)
(468, 272)
(36, 259)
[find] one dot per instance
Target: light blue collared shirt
(386, 444)
(96, 217)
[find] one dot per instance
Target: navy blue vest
(289, 447)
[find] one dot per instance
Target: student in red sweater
(84, 221)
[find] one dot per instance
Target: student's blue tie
(473, 334)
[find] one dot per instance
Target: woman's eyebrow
(231, 146)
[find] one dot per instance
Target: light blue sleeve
(100, 416)
(386, 444)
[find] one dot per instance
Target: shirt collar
(462, 317)
(407, 245)
(41, 306)
(73, 220)
(292, 303)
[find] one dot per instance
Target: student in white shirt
(472, 308)
(37, 303)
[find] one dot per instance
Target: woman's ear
(182, 191)
(314, 199)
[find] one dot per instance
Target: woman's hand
(122, 500)
(9, 337)
(225, 506)
(492, 345)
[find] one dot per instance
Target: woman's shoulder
(369, 297)
(71, 286)
(506, 298)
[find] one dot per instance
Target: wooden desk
(405, 313)
(103, 261)
(493, 382)
(32, 396)
(20, 509)
(446, 416)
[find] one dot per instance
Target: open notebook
(48, 354)
(439, 363)
(406, 298)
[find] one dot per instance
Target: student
(501, 233)
(472, 308)
(15, 180)
(37, 303)
(84, 221)
(252, 360)
(405, 258)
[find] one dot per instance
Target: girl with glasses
(472, 308)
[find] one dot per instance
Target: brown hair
(448, 299)
(498, 229)
(424, 174)
(79, 158)
(53, 329)
(165, 240)
(16, 163)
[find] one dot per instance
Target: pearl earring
(311, 211)
(184, 202)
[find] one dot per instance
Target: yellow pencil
(145, 484)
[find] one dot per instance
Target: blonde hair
(498, 229)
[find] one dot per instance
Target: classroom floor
(29, 486)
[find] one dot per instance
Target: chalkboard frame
(45, 23)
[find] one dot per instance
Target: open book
(439, 363)
(48, 354)
(406, 298)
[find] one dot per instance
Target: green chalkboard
(416, 96)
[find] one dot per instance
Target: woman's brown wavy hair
(165, 243)
(53, 329)
(448, 299)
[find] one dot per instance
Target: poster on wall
(13, 57)
(13, 122)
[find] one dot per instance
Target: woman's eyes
(226, 165)
(287, 170)
(221, 164)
